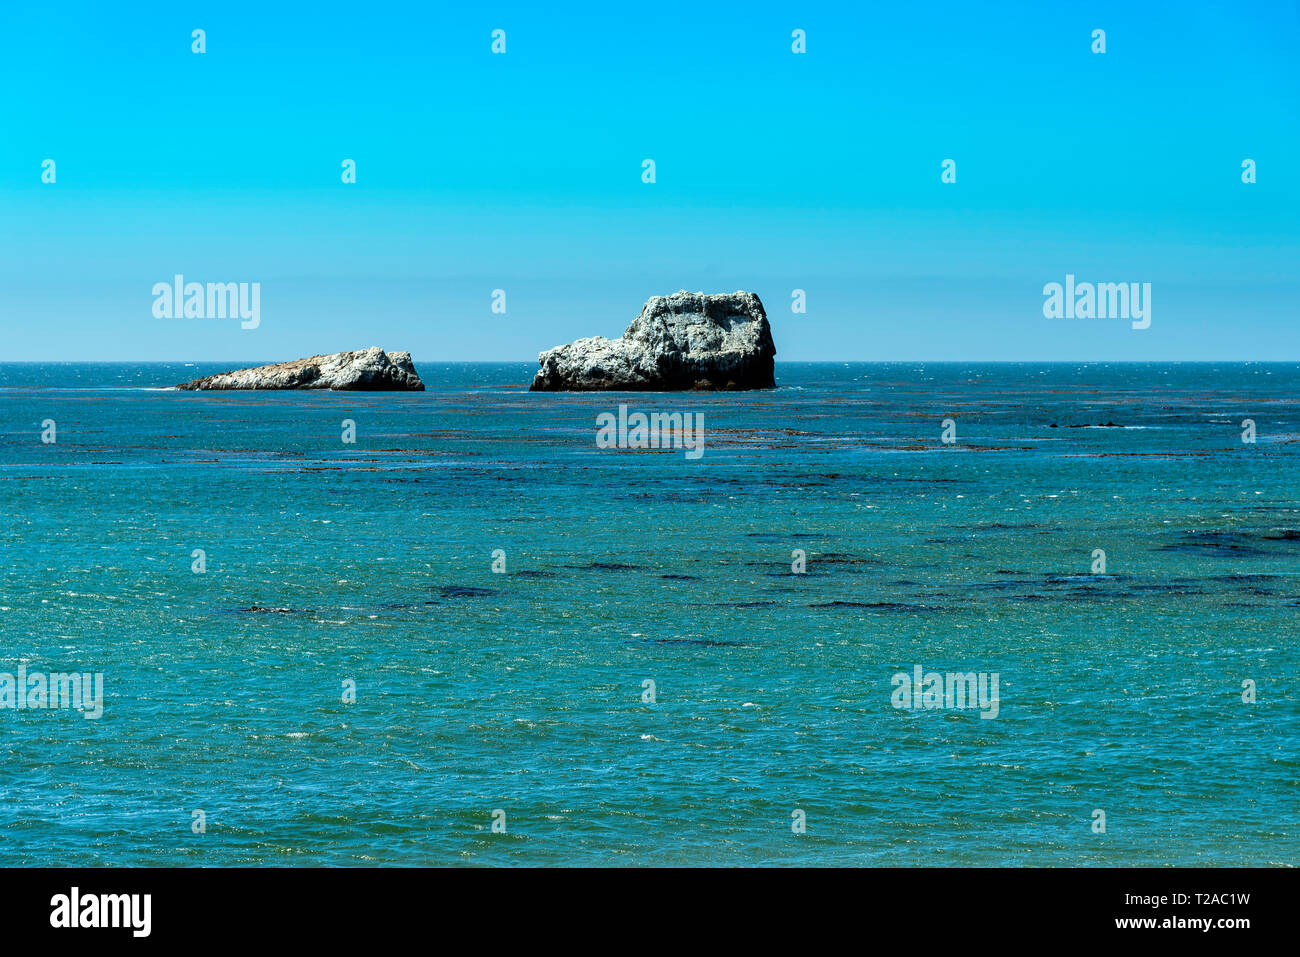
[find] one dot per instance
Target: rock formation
(370, 370)
(684, 341)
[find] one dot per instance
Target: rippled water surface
(371, 562)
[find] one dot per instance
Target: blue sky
(775, 171)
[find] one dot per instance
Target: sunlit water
(372, 562)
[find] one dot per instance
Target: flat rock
(688, 340)
(369, 370)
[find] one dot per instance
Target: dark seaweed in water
(706, 642)
(839, 558)
(465, 591)
(783, 536)
(1230, 544)
(1225, 545)
(876, 606)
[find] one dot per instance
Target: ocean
(650, 681)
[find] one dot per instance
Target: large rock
(370, 370)
(684, 341)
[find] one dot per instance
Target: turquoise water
(522, 691)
